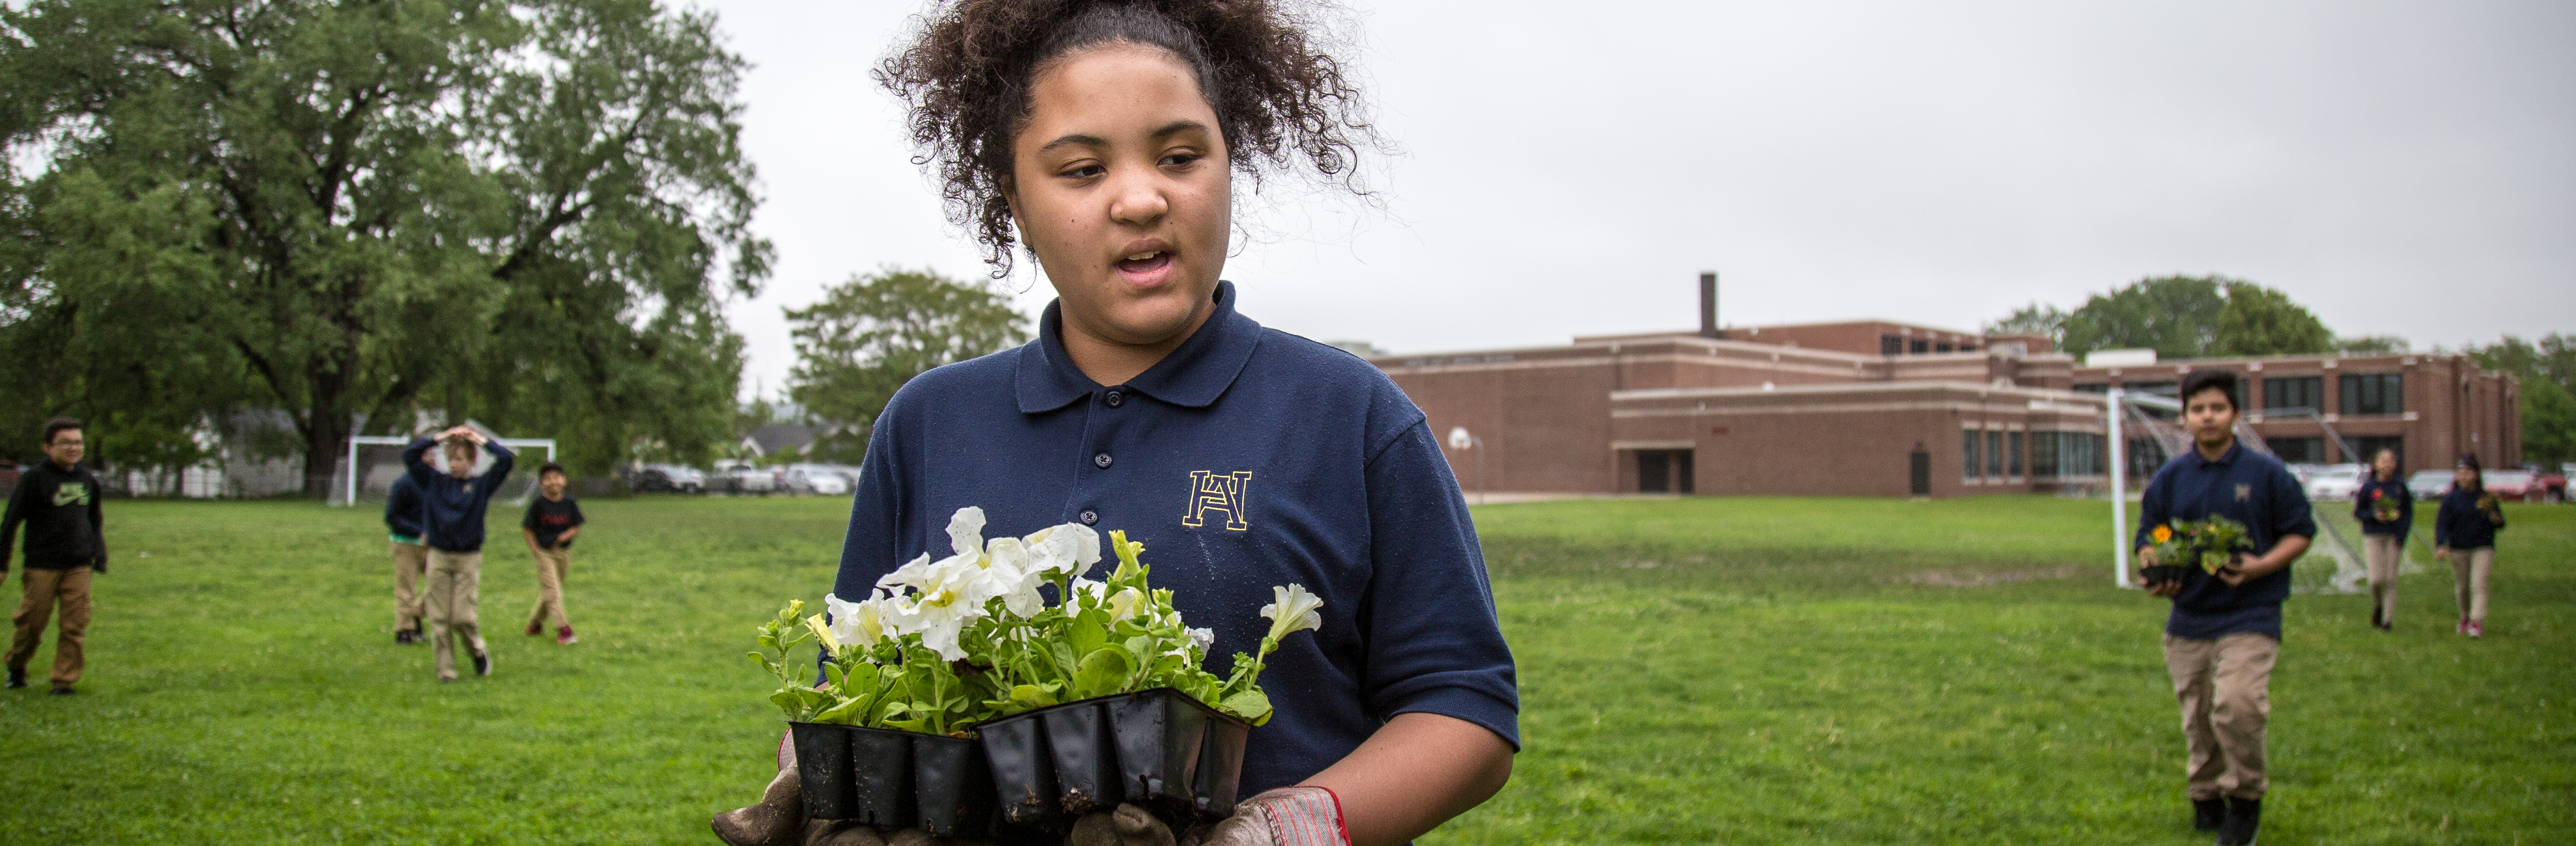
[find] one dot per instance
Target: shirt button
(1090, 517)
(1102, 460)
(1115, 399)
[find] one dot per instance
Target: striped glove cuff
(1299, 816)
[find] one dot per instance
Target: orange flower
(2162, 534)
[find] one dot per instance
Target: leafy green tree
(2373, 345)
(525, 212)
(2548, 423)
(2547, 371)
(2262, 321)
(2034, 319)
(873, 333)
(2177, 316)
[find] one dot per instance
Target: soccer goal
(2141, 438)
(373, 462)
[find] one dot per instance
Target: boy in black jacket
(58, 501)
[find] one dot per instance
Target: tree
(526, 212)
(2177, 316)
(2373, 345)
(2261, 321)
(2034, 319)
(2547, 371)
(873, 333)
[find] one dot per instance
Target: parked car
(2429, 485)
(816, 479)
(670, 478)
(2334, 482)
(740, 477)
(2549, 485)
(2513, 484)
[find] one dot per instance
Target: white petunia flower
(1201, 639)
(941, 598)
(966, 531)
(1007, 564)
(1069, 548)
(1125, 604)
(861, 623)
(1292, 610)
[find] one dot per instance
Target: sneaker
(536, 627)
(2378, 618)
(482, 663)
(2244, 816)
(2463, 627)
(17, 677)
(563, 636)
(2208, 814)
(62, 691)
(2477, 628)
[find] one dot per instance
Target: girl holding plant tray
(2386, 510)
(2464, 533)
(1107, 140)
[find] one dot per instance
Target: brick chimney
(1708, 305)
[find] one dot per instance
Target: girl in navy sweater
(2464, 534)
(2386, 511)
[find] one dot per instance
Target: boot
(2208, 814)
(2243, 817)
(779, 819)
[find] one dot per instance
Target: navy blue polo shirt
(2250, 488)
(1246, 458)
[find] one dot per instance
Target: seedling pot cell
(823, 769)
(881, 777)
(1176, 756)
(2162, 574)
(1023, 772)
(1086, 756)
(953, 782)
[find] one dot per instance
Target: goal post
(373, 462)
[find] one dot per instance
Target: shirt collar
(2224, 459)
(1194, 375)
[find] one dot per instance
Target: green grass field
(1741, 670)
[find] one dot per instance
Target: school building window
(1943, 346)
(1968, 442)
(1994, 455)
(1918, 346)
(2283, 393)
(2012, 453)
(2299, 450)
(2092, 387)
(1891, 345)
(2373, 393)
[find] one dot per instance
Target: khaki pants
(45, 589)
(2468, 576)
(2381, 552)
(410, 561)
(551, 564)
(2225, 687)
(455, 588)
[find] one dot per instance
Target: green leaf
(1252, 705)
(1089, 632)
(1102, 673)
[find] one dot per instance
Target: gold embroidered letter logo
(1213, 491)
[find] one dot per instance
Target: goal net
(2152, 440)
(373, 462)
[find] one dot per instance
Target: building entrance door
(1665, 471)
(1922, 471)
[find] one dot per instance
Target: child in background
(553, 520)
(405, 523)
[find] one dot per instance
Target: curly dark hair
(1279, 95)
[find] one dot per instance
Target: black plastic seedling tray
(1160, 749)
(882, 776)
(2161, 574)
(823, 769)
(954, 784)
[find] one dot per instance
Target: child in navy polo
(454, 505)
(1243, 457)
(2225, 630)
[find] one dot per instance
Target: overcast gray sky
(1568, 169)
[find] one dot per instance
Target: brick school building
(1879, 408)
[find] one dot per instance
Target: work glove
(1288, 816)
(779, 819)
